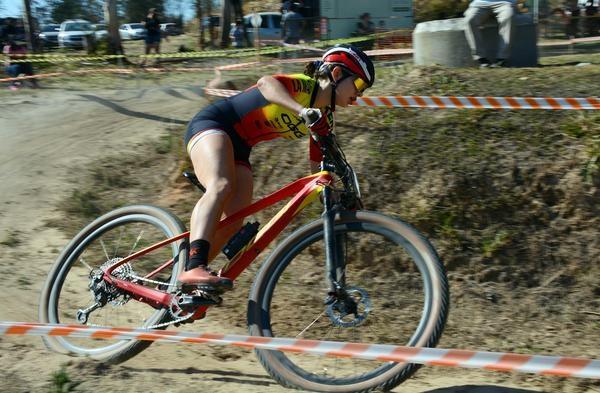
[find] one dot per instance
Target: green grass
(61, 382)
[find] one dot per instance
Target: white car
(132, 31)
(100, 31)
(75, 33)
(49, 35)
(169, 29)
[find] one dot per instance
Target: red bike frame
(304, 191)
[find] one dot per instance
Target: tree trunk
(114, 39)
(28, 24)
(200, 16)
(225, 23)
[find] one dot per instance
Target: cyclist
(220, 137)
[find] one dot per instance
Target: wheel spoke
(136, 242)
(118, 242)
(312, 323)
(104, 249)
(84, 263)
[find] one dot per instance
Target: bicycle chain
(172, 321)
(128, 274)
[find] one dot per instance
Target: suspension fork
(334, 246)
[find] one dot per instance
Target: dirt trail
(47, 135)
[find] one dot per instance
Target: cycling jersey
(254, 119)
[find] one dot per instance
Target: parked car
(100, 31)
(270, 27)
(132, 31)
(170, 29)
(75, 33)
(48, 35)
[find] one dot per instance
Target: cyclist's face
(349, 88)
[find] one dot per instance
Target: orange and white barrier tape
(496, 361)
(452, 102)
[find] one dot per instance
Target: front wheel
(105, 241)
(398, 284)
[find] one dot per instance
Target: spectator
(14, 51)
(237, 35)
(292, 23)
(476, 15)
(592, 18)
(286, 6)
(573, 14)
(152, 25)
(364, 25)
(10, 29)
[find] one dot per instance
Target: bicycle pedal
(198, 300)
(206, 288)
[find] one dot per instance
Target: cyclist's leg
(213, 161)
(212, 158)
(241, 197)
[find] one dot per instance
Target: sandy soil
(47, 136)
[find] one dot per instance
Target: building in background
(342, 16)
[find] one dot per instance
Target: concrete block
(443, 42)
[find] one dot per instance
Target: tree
(114, 39)
(92, 10)
(227, 6)
(136, 10)
(204, 10)
(28, 24)
(65, 9)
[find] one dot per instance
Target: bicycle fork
(334, 248)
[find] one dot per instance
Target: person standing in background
(14, 51)
(477, 13)
(292, 25)
(152, 25)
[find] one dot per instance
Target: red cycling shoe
(202, 275)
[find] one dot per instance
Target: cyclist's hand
(315, 120)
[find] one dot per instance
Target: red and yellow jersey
(257, 120)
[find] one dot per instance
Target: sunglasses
(360, 85)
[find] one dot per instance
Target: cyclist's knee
(221, 187)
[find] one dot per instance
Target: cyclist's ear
(337, 73)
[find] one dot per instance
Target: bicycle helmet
(353, 60)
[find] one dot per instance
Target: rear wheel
(105, 241)
(397, 282)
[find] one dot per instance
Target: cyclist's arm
(276, 93)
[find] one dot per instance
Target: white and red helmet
(353, 60)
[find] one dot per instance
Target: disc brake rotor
(351, 311)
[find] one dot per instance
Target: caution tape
(452, 102)
(108, 71)
(239, 52)
(496, 361)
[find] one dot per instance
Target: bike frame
(302, 191)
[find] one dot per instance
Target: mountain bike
(352, 275)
